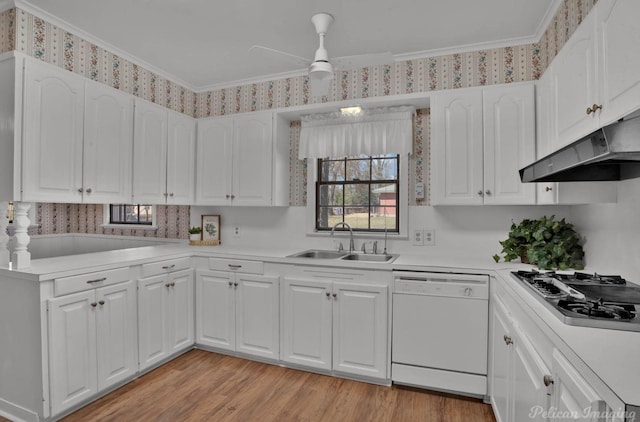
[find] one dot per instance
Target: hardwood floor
(204, 386)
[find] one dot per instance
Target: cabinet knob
(480, 192)
(93, 304)
(507, 340)
(547, 380)
(101, 302)
(233, 196)
(168, 285)
(230, 283)
(228, 196)
(468, 291)
(171, 194)
(335, 295)
(173, 284)
(80, 190)
(165, 194)
(594, 108)
(548, 189)
(487, 192)
(328, 294)
(89, 190)
(235, 284)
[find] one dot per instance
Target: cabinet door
(213, 167)
(574, 85)
(509, 144)
(181, 159)
(457, 148)
(149, 154)
(307, 323)
(258, 316)
(215, 303)
(619, 38)
(152, 294)
(360, 329)
(72, 352)
(500, 361)
(108, 145)
(530, 395)
(572, 394)
(179, 313)
(252, 159)
(52, 134)
(116, 333)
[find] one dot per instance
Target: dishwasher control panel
(470, 286)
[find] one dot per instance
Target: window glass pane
(131, 214)
(145, 214)
(331, 195)
(329, 216)
(358, 170)
(357, 217)
(381, 221)
(384, 168)
(331, 171)
(357, 195)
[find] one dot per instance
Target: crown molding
(249, 81)
(552, 10)
(62, 24)
(6, 5)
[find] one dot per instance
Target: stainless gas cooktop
(589, 300)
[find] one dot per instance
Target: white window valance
(375, 131)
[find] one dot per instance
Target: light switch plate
(419, 190)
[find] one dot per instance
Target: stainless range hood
(610, 153)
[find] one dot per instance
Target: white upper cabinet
(77, 138)
(52, 134)
(164, 154)
(243, 160)
(150, 154)
(480, 139)
(574, 85)
(619, 43)
(181, 158)
(108, 143)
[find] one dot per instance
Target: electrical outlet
(419, 190)
(236, 231)
(418, 237)
(429, 237)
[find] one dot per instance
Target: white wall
(473, 231)
(612, 232)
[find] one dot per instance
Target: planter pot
(194, 237)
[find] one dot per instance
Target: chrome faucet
(342, 223)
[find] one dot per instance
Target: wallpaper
(172, 221)
(35, 37)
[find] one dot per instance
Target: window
(360, 191)
(131, 214)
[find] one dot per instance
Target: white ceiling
(204, 44)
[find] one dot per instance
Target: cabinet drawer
(79, 283)
(237, 265)
(162, 267)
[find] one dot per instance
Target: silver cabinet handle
(168, 284)
(335, 295)
(487, 192)
(101, 302)
(93, 304)
(548, 189)
(507, 340)
(97, 280)
(234, 267)
(168, 267)
(230, 283)
(480, 193)
(235, 284)
(547, 380)
(80, 190)
(468, 291)
(89, 190)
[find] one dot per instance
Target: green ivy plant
(195, 230)
(545, 242)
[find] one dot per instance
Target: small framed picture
(211, 227)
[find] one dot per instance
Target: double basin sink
(345, 256)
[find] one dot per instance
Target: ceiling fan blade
(362, 60)
(291, 58)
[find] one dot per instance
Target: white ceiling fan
(320, 68)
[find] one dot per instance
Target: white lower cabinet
(165, 316)
(238, 312)
(336, 325)
(92, 341)
(518, 377)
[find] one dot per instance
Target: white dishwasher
(440, 331)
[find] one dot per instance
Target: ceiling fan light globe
(320, 70)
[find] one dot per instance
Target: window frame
(403, 205)
(106, 219)
(368, 182)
